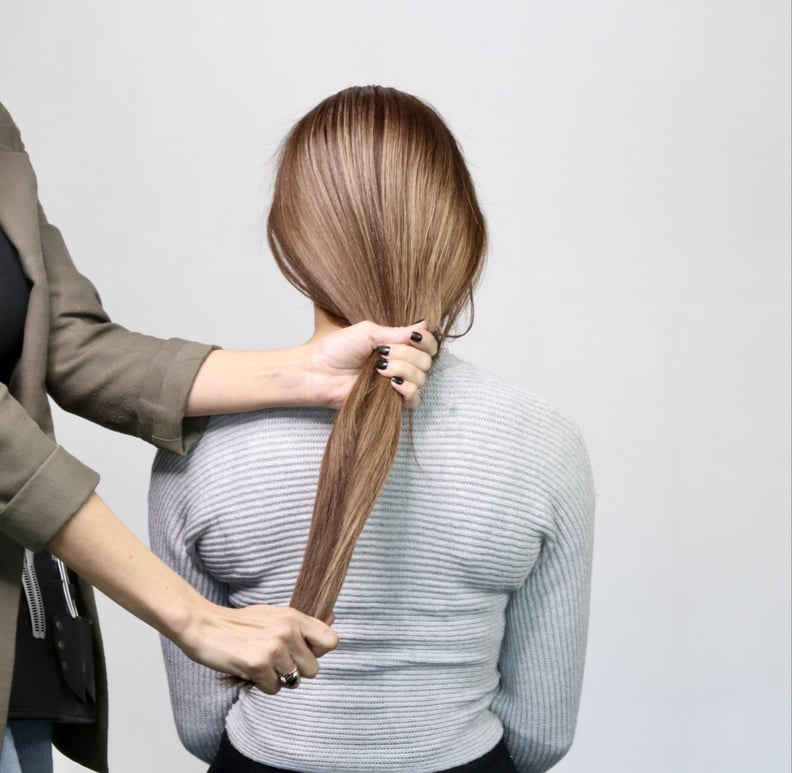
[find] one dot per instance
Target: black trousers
(229, 760)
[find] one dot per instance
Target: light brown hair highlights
(374, 216)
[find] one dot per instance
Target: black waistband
(229, 760)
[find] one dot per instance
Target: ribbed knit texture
(464, 612)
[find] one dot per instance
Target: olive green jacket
(125, 381)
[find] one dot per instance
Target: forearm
(236, 381)
(97, 545)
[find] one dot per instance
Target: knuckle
(412, 355)
(262, 672)
(282, 632)
(309, 670)
(251, 667)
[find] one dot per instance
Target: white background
(633, 159)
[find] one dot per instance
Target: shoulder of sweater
(481, 393)
(228, 437)
(523, 432)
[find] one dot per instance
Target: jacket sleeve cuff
(44, 504)
(166, 387)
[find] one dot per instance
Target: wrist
(185, 620)
(322, 385)
(299, 377)
(288, 377)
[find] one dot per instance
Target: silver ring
(291, 680)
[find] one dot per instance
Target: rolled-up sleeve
(41, 484)
(126, 381)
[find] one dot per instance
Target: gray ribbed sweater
(464, 612)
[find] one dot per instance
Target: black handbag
(54, 660)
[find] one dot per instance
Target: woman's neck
(324, 324)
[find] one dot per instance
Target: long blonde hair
(374, 216)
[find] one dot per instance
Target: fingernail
(418, 322)
(384, 350)
(398, 381)
(416, 336)
(381, 364)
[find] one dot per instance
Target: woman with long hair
(462, 605)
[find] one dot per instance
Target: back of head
(374, 216)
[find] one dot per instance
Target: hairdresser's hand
(255, 643)
(336, 360)
(258, 644)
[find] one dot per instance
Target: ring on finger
(291, 680)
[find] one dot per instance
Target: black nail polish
(397, 380)
(384, 350)
(381, 364)
(416, 336)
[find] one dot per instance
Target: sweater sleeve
(542, 655)
(199, 698)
